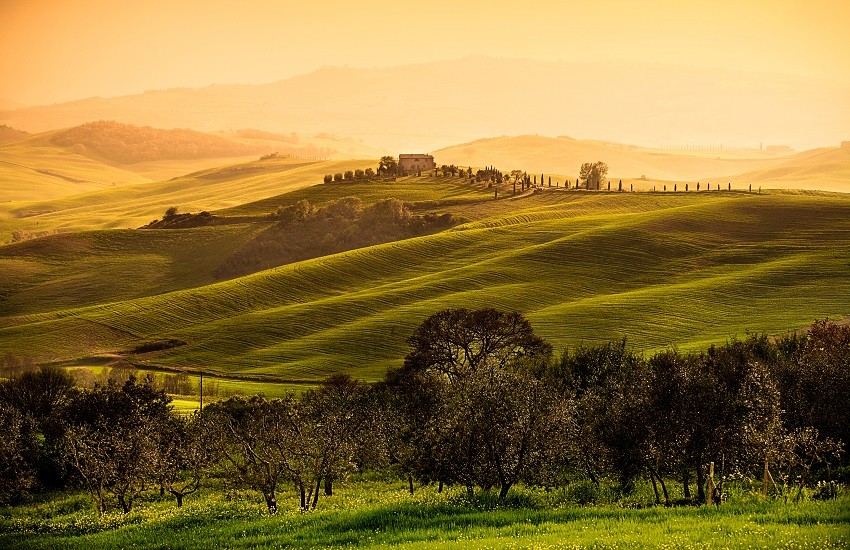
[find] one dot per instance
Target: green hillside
(659, 269)
(134, 206)
(91, 267)
(72, 270)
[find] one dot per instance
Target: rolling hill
(660, 269)
(106, 154)
(827, 169)
(564, 156)
(129, 144)
(427, 106)
(7, 133)
(132, 206)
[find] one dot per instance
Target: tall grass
(379, 514)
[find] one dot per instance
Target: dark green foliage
(388, 166)
(40, 396)
(304, 231)
(479, 415)
(17, 474)
(158, 345)
(111, 442)
(173, 220)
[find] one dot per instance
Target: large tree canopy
(459, 342)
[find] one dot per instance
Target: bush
(582, 492)
(338, 176)
(349, 175)
(358, 174)
(328, 178)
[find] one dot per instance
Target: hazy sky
(57, 50)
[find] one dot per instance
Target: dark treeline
(305, 231)
(481, 402)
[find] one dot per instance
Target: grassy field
(659, 269)
(378, 514)
(132, 206)
(85, 268)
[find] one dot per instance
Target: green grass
(659, 269)
(85, 268)
(426, 192)
(32, 172)
(132, 206)
(378, 514)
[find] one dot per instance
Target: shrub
(582, 492)
(328, 178)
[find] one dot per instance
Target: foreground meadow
(382, 514)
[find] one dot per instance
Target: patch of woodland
(304, 231)
(188, 220)
(127, 143)
(7, 133)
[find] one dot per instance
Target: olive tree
(485, 412)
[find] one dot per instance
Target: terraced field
(660, 269)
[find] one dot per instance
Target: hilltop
(7, 133)
(426, 106)
(129, 144)
(825, 169)
(103, 154)
(564, 156)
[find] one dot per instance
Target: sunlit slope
(565, 156)
(422, 192)
(825, 169)
(689, 270)
(31, 170)
(92, 267)
(212, 189)
(72, 270)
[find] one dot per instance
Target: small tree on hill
(338, 176)
(328, 178)
(388, 166)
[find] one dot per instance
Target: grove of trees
(304, 231)
(481, 402)
(592, 173)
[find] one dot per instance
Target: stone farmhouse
(410, 164)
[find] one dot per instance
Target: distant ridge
(7, 133)
(127, 144)
(427, 106)
(564, 156)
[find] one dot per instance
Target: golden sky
(54, 50)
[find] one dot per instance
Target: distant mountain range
(427, 106)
